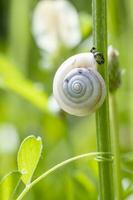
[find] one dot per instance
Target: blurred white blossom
(55, 22)
(126, 183)
(52, 104)
(130, 197)
(9, 139)
(112, 53)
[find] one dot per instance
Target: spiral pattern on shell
(78, 88)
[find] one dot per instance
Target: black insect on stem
(98, 56)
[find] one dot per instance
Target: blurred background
(35, 38)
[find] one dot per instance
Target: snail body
(78, 87)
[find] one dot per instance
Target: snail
(78, 87)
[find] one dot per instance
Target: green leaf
(8, 185)
(13, 79)
(28, 157)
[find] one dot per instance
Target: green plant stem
(102, 156)
(116, 148)
(106, 188)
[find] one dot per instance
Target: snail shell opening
(79, 90)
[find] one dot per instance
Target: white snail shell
(78, 88)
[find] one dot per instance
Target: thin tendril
(100, 157)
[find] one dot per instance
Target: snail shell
(78, 88)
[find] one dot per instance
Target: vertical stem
(120, 28)
(102, 116)
(116, 148)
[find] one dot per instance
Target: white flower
(52, 104)
(55, 22)
(9, 139)
(130, 197)
(112, 53)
